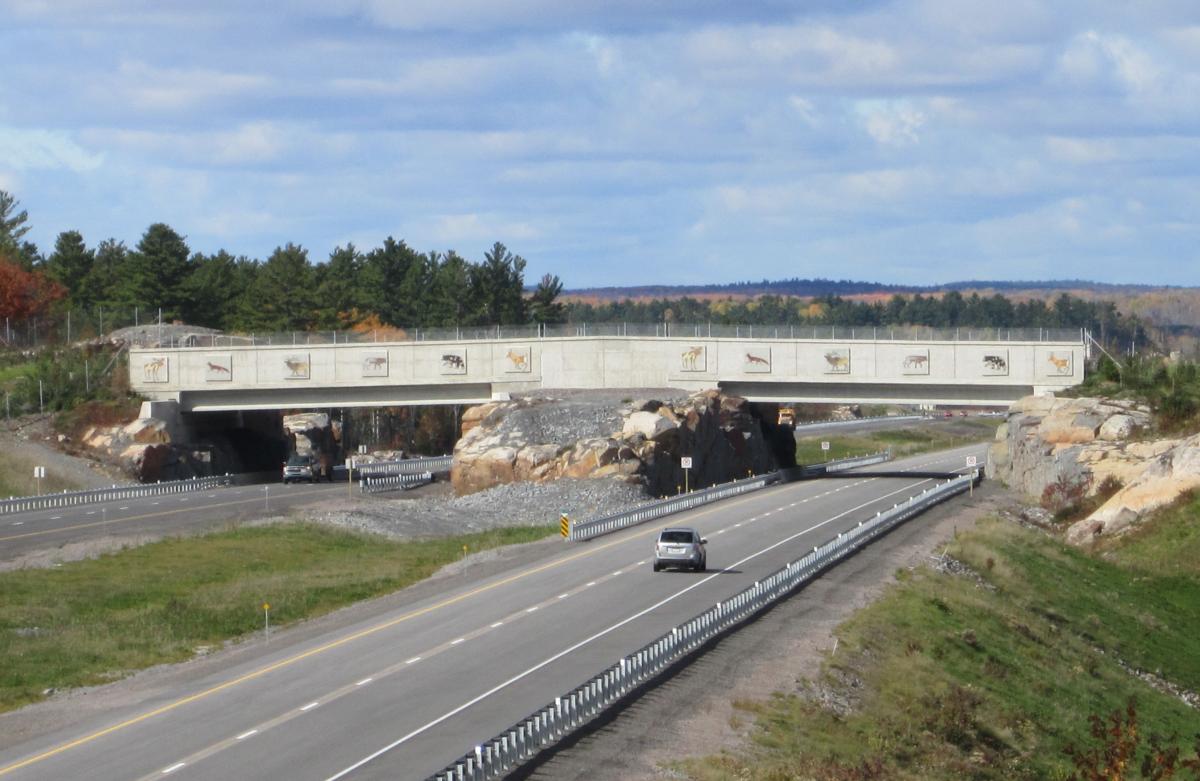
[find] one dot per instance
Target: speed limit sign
(971, 461)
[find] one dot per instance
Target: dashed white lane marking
(309, 706)
(720, 531)
(498, 623)
(591, 583)
(123, 508)
(184, 499)
(173, 768)
(640, 563)
(19, 523)
(459, 640)
(246, 734)
(56, 517)
(413, 660)
(364, 682)
(90, 512)
(737, 525)
(563, 596)
(156, 504)
(531, 609)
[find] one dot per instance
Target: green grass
(902, 442)
(1167, 544)
(89, 622)
(16, 478)
(947, 680)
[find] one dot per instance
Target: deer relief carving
(518, 360)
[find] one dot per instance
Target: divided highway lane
(402, 695)
(22, 533)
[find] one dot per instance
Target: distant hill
(808, 288)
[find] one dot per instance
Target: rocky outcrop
(1049, 448)
(144, 450)
(540, 439)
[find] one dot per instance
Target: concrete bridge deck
(316, 370)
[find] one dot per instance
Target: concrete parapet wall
(323, 375)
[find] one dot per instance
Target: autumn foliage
(25, 294)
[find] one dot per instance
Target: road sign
(686, 462)
(39, 471)
(825, 446)
(971, 461)
(564, 525)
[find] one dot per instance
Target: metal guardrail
(405, 466)
(586, 530)
(502, 753)
(20, 504)
(852, 421)
(402, 482)
(842, 464)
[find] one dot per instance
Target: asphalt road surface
(21, 533)
(402, 694)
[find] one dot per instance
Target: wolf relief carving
(518, 359)
(915, 361)
(754, 359)
(217, 368)
(1062, 364)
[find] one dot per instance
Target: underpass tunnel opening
(411, 430)
(240, 442)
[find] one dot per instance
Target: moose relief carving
(692, 360)
(154, 368)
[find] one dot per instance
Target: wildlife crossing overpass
(762, 363)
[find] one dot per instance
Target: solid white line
(412, 660)
(459, 640)
(498, 623)
(598, 635)
(173, 768)
(364, 681)
(246, 734)
(309, 706)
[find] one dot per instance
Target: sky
(623, 142)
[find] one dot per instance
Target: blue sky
(623, 142)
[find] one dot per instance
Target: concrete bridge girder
(465, 372)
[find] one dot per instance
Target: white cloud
(1096, 59)
(146, 86)
(22, 149)
(458, 229)
(891, 123)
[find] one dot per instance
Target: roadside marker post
(349, 479)
(686, 463)
(267, 619)
(38, 473)
(971, 462)
(564, 525)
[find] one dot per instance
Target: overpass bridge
(317, 370)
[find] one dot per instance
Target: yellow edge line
(322, 649)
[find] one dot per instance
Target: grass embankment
(16, 478)
(908, 441)
(948, 677)
(90, 622)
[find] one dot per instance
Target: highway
(157, 516)
(400, 695)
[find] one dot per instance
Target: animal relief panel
(1058, 363)
(453, 362)
(516, 360)
(915, 362)
(837, 361)
(296, 367)
(375, 365)
(218, 368)
(995, 363)
(757, 360)
(156, 369)
(694, 359)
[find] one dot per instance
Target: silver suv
(680, 547)
(298, 468)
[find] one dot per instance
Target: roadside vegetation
(908, 441)
(1171, 390)
(91, 622)
(1019, 665)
